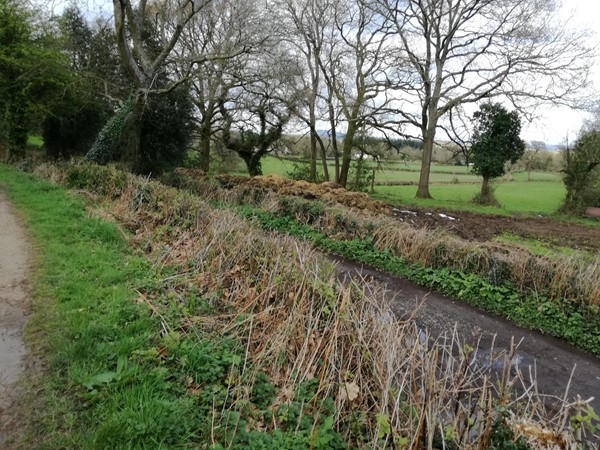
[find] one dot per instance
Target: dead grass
(328, 191)
(392, 386)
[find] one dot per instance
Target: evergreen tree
(496, 141)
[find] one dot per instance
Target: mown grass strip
(86, 325)
(577, 323)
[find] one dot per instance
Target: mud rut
(14, 308)
(551, 359)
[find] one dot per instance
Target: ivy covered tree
(165, 133)
(146, 35)
(253, 142)
(582, 172)
(496, 141)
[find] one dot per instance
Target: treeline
(158, 78)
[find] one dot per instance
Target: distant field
(398, 172)
(35, 141)
(454, 187)
(386, 173)
(543, 197)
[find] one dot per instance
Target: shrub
(299, 171)
(102, 180)
(582, 173)
(361, 176)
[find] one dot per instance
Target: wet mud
(14, 308)
(553, 363)
(484, 227)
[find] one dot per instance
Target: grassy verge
(236, 338)
(94, 391)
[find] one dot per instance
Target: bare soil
(14, 309)
(484, 227)
(467, 225)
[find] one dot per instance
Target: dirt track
(552, 359)
(483, 227)
(14, 307)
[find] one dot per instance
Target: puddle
(499, 358)
(11, 351)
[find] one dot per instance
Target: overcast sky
(558, 123)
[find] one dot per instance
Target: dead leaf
(349, 391)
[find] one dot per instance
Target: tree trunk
(132, 136)
(252, 163)
(205, 133)
(347, 153)
(373, 182)
(423, 190)
(334, 145)
(313, 140)
(485, 189)
(313, 157)
(323, 158)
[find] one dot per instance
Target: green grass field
(453, 187)
(540, 197)
(35, 141)
(400, 172)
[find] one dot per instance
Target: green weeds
(97, 390)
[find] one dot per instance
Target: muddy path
(14, 308)
(552, 359)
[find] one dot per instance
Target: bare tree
(346, 53)
(310, 19)
(227, 33)
(147, 63)
(357, 71)
(462, 51)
